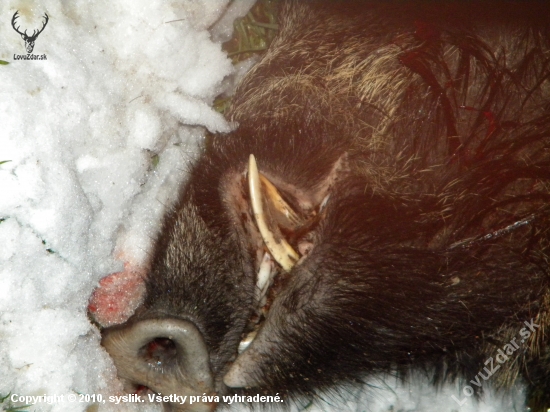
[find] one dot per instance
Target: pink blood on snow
(117, 296)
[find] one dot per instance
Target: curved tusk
(281, 251)
(286, 215)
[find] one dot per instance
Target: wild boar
(383, 205)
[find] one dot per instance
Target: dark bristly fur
(434, 245)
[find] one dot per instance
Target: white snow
(126, 85)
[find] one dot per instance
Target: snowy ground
(96, 138)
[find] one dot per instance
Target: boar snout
(167, 356)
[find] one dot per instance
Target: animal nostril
(166, 356)
(159, 351)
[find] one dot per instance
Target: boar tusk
(245, 343)
(264, 277)
(287, 217)
(281, 251)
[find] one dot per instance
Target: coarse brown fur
(434, 246)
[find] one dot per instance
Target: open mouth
(286, 235)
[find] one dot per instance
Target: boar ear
(277, 213)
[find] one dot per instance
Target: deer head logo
(29, 40)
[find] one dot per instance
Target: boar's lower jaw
(188, 374)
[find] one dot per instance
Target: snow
(126, 84)
(97, 137)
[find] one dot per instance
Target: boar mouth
(280, 249)
(276, 220)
